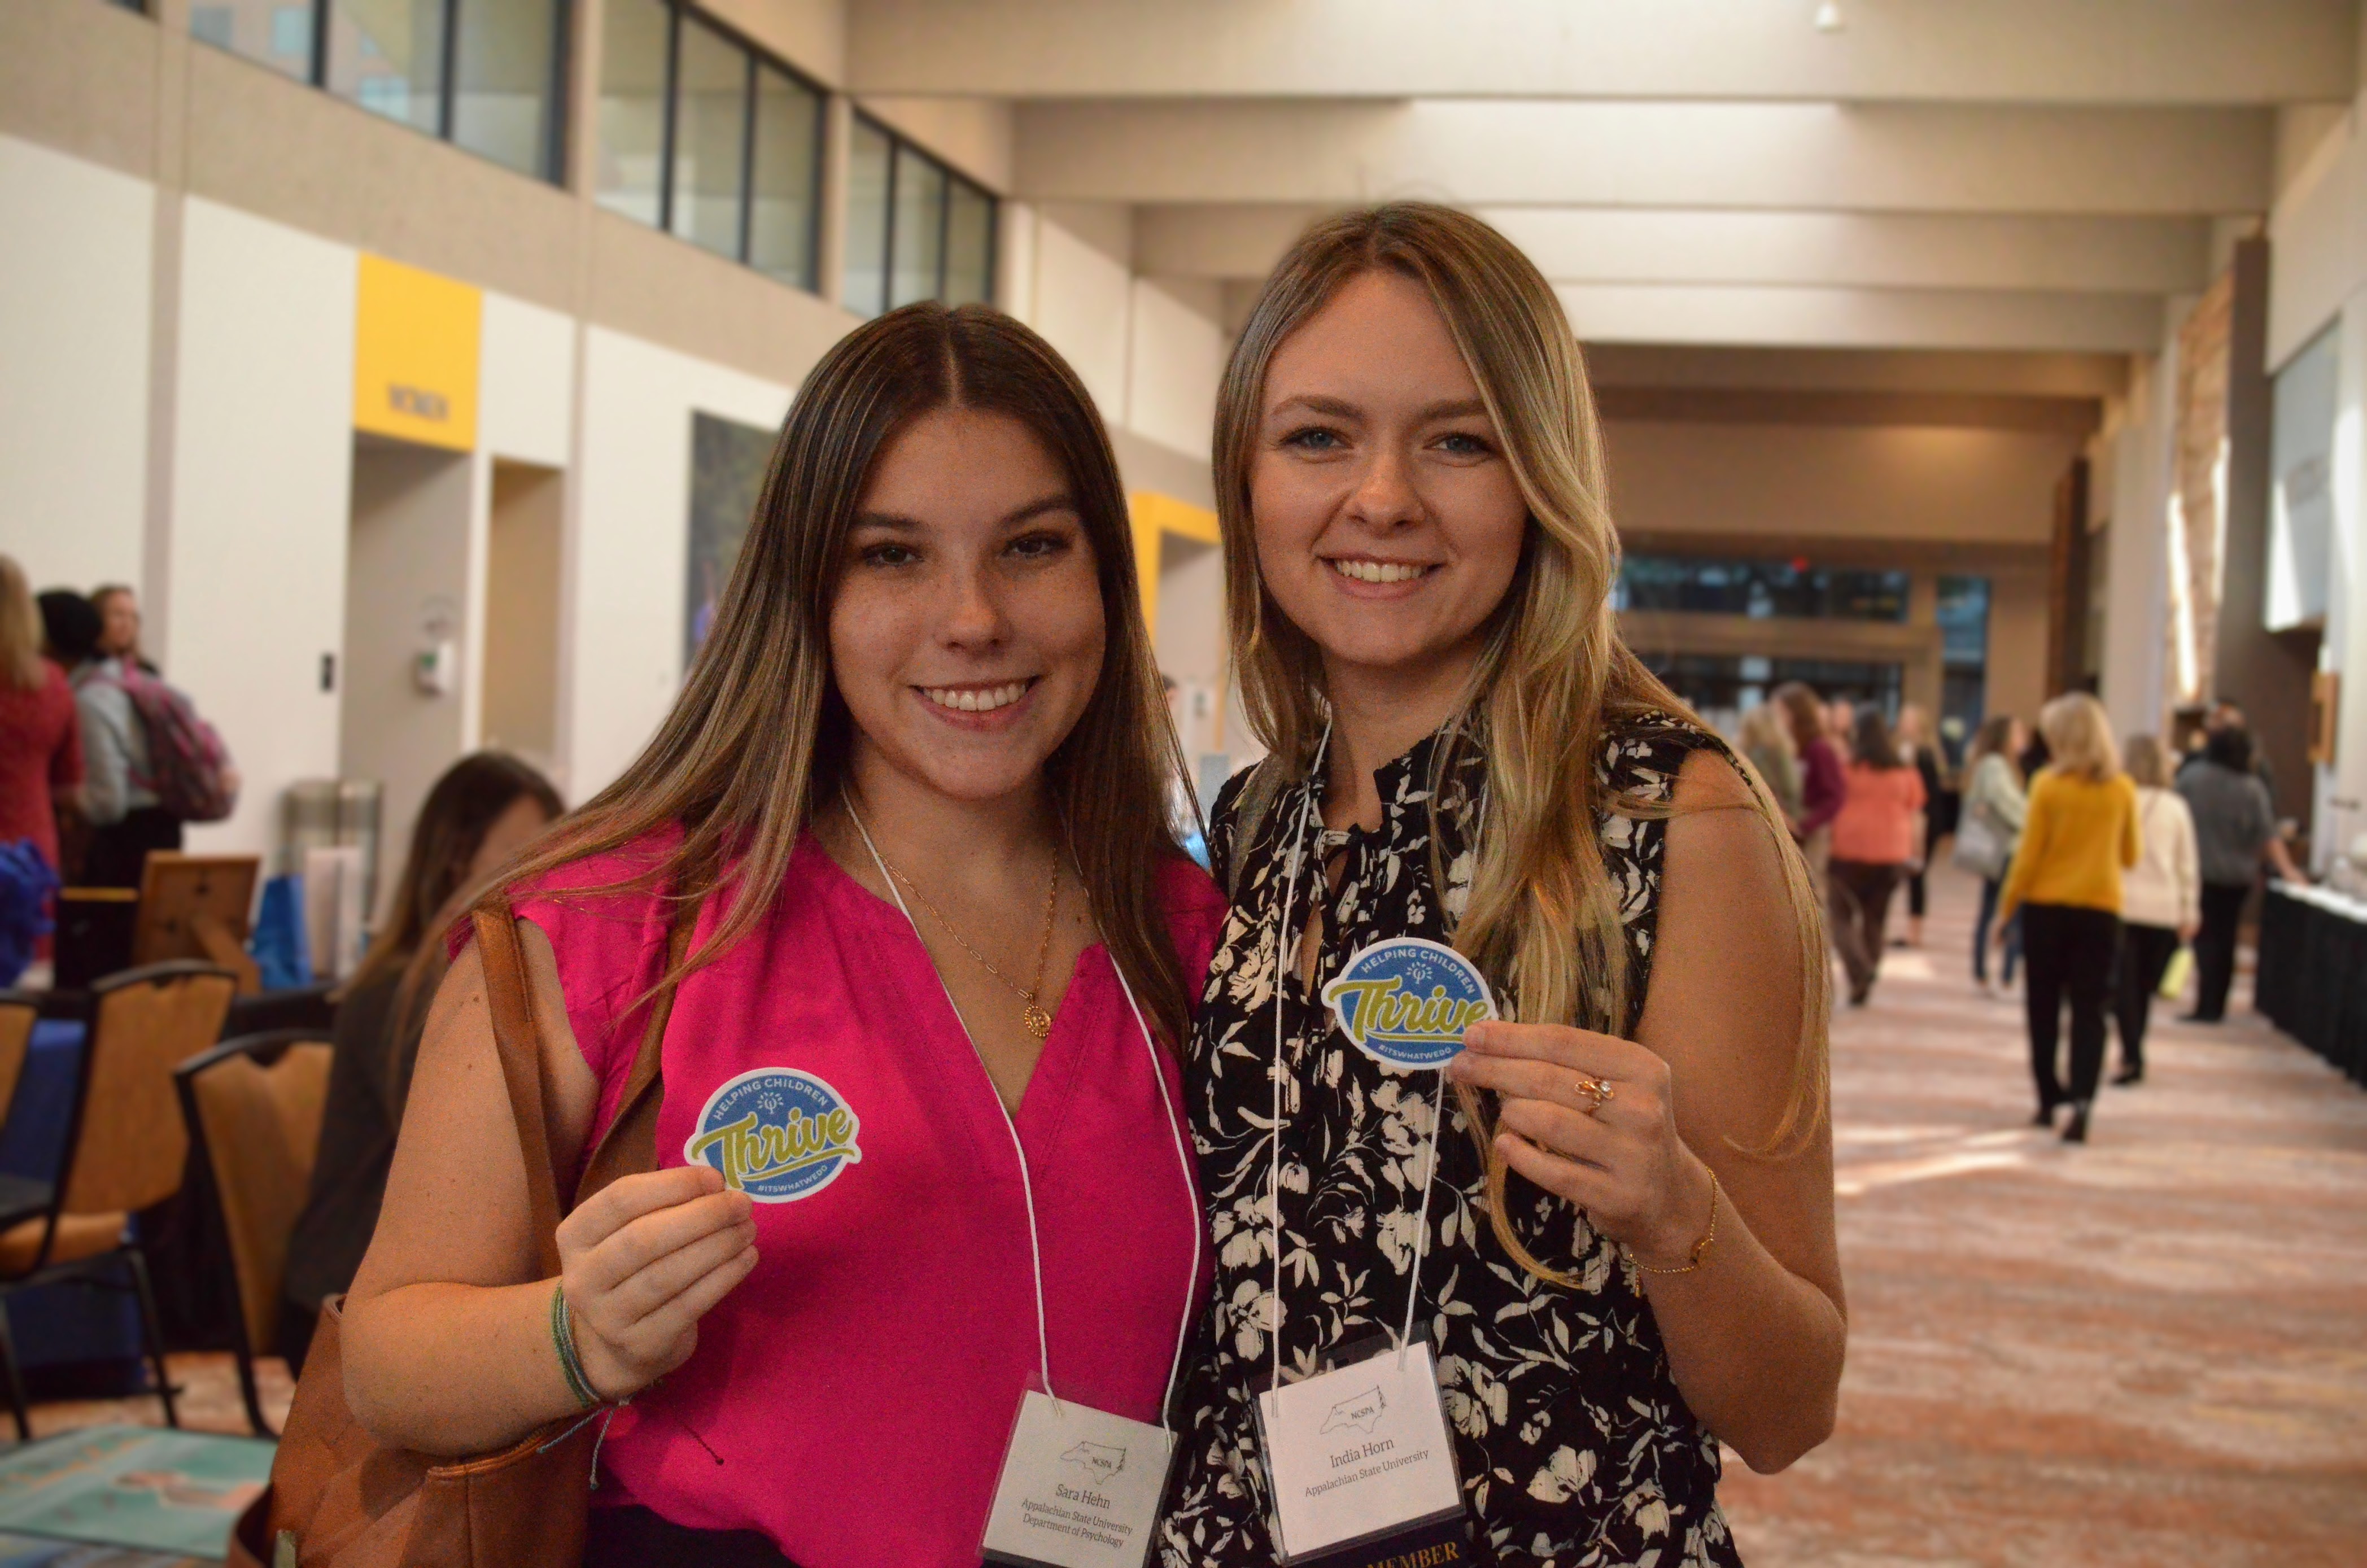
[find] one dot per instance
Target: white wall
(2134, 680)
(1083, 296)
(621, 658)
(526, 407)
(261, 479)
(74, 287)
(2338, 814)
(1177, 360)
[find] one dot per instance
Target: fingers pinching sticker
(1406, 1001)
(776, 1133)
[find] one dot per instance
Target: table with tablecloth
(2312, 977)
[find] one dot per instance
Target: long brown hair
(20, 629)
(759, 738)
(1555, 676)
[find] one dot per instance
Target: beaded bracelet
(563, 1336)
(1635, 1270)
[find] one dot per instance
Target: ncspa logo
(1406, 1001)
(776, 1133)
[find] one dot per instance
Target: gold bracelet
(1701, 1248)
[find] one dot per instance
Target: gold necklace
(1037, 1021)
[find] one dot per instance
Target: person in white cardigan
(2161, 896)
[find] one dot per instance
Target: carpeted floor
(2150, 1350)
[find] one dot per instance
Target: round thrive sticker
(1405, 1001)
(776, 1133)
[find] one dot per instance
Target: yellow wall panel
(415, 350)
(1154, 517)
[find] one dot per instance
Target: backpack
(188, 767)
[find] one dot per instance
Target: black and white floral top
(1573, 1443)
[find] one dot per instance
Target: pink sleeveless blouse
(859, 1387)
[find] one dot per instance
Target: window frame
(755, 57)
(551, 155)
(898, 145)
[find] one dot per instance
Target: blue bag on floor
(280, 947)
(26, 884)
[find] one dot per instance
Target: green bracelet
(563, 1337)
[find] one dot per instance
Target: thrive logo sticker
(776, 1134)
(1406, 1001)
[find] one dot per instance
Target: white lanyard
(1273, 1135)
(1026, 1187)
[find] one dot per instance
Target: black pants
(2215, 947)
(2067, 953)
(1989, 889)
(2145, 953)
(1857, 898)
(1915, 893)
(117, 855)
(633, 1537)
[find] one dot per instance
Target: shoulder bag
(340, 1497)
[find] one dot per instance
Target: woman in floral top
(1627, 1255)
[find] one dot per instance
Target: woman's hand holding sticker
(1592, 1118)
(642, 1262)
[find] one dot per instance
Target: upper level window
(1760, 588)
(702, 136)
(483, 75)
(915, 230)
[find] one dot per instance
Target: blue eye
(1314, 439)
(889, 555)
(1464, 444)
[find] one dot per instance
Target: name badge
(1359, 1457)
(1405, 1002)
(1080, 1487)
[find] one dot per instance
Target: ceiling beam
(1817, 157)
(2151, 52)
(1655, 245)
(1865, 318)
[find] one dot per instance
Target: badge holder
(1359, 1457)
(1078, 1487)
(1360, 1461)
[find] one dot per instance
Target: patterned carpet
(2152, 1349)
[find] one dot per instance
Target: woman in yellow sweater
(2065, 879)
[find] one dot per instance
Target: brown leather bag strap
(509, 997)
(629, 1145)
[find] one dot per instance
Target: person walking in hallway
(2235, 829)
(1823, 781)
(40, 741)
(2066, 881)
(2160, 898)
(1987, 831)
(127, 816)
(1919, 751)
(1766, 741)
(1873, 842)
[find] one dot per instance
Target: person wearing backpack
(150, 762)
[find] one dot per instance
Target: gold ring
(1596, 1091)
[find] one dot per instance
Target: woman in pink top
(912, 1164)
(1875, 837)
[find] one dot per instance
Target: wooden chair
(125, 1147)
(252, 1106)
(19, 1012)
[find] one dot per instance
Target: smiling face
(1388, 520)
(967, 635)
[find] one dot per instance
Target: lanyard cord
(1026, 1187)
(1273, 1136)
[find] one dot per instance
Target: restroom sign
(416, 337)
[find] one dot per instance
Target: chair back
(254, 1107)
(17, 1015)
(129, 1146)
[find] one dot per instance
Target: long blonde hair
(759, 738)
(1554, 678)
(2080, 738)
(20, 629)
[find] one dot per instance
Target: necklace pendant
(1038, 1021)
